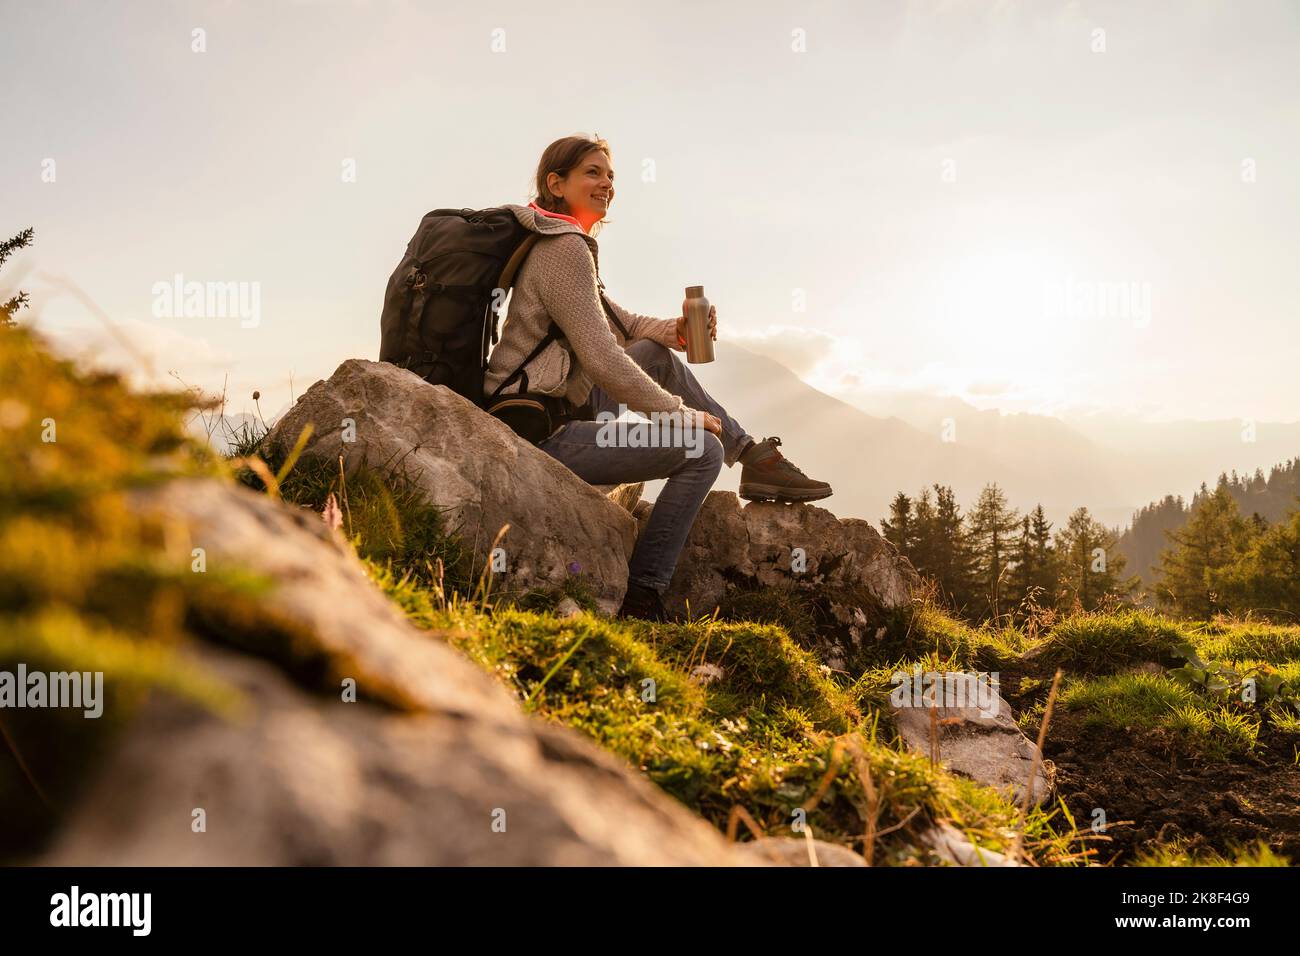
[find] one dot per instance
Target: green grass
(1105, 643)
(930, 629)
(1146, 702)
(1249, 641)
(1177, 853)
(724, 715)
(760, 732)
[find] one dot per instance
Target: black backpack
(438, 319)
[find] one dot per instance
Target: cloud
(990, 388)
(800, 349)
(144, 353)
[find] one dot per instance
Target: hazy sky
(942, 187)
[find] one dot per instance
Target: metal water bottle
(699, 344)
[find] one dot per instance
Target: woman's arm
(663, 331)
(565, 274)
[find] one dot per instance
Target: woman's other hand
(705, 420)
(681, 327)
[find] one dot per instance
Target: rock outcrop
(432, 764)
(769, 543)
(477, 470)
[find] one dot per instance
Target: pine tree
(1213, 538)
(1266, 576)
(955, 561)
(993, 526)
(1045, 557)
(926, 547)
(1091, 565)
(898, 528)
(1022, 566)
(1035, 573)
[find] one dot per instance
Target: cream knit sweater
(560, 280)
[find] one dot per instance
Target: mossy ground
(739, 723)
(745, 720)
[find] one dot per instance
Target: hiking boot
(643, 602)
(768, 475)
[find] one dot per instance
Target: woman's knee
(707, 452)
(649, 353)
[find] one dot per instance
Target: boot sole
(774, 493)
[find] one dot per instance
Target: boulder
(983, 744)
(754, 546)
(433, 763)
(477, 470)
(306, 780)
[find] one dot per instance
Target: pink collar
(557, 215)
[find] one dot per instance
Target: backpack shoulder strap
(551, 334)
(609, 311)
(516, 260)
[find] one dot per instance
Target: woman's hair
(559, 158)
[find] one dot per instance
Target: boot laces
(775, 443)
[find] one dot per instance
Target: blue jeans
(690, 468)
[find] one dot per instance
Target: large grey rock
(309, 780)
(982, 743)
(755, 546)
(416, 772)
(476, 469)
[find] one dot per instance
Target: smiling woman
(604, 361)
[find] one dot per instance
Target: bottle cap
(694, 291)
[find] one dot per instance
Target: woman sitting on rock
(595, 369)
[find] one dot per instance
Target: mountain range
(1111, 464)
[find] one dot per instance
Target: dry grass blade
(22, 765)
(1017, 845)
(739, 815)
(811, 845)
(303, 437)
(259, 467)
(484, 586)
(934, 737)
(823, 785)
(871, 812)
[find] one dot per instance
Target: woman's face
(589, 185)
